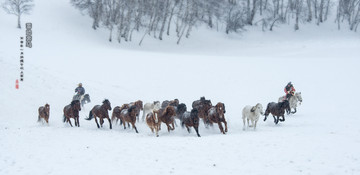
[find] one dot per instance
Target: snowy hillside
(238, 70)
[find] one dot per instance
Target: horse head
(157, 105)
(47, 108)
(298, 96)
(220, 109)
(76, 105)
(139, 104)
(181, 109)
(260, 108)
(87, 98)
(107, 104)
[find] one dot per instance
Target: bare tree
(18, 8)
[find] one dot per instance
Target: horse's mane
(168, 110)
(74, 102)
(194, 113)
(106, 101)
(131, 108)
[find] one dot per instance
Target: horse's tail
(64, 118)
(267, 111)
(39, 118)
(90, 116)
(182, 124)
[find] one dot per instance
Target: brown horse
(72, 111)
(166, 103)
(191, 119)
(216, 115)
(167, 116)
(116, 113)
(101, 112)
(129, 115)
(203, 106)
(152, 120)
(139, 105)
(44, 112)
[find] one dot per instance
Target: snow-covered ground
(321, 138)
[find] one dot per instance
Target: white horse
(149, 108)
(293, 101)
(252, 113)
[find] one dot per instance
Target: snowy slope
(322, 138)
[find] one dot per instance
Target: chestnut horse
(44, 112)
(101, 111)
(216, 115)
(152, 120)
(277, 109)
(167, 116)
(203, 106)
(72, 111)
(129, 115)
(191, 119)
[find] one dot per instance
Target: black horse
(191, 119)
(277, 109)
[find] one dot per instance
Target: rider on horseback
(289, 90)
(80, 91)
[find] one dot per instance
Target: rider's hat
(80, 84)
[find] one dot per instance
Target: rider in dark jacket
(80, 91)
(289, 90)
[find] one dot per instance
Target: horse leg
(221, 127)
(188, 129)
(255, 124)
(244, 124)
(283, 118)
(226, 129)
(101, 122)
(175, 123)
(78, 123)
(173, 127)
(294, 111)
(109, 122)
(133, 125)
(265, 117)
(248, 122)
(252, 123)
(168, 127)
(123, 122)
(275, 120)
(68, 119)
(157, 130)
(197, 131)
(96, 122)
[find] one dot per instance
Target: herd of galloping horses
(154, 114)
